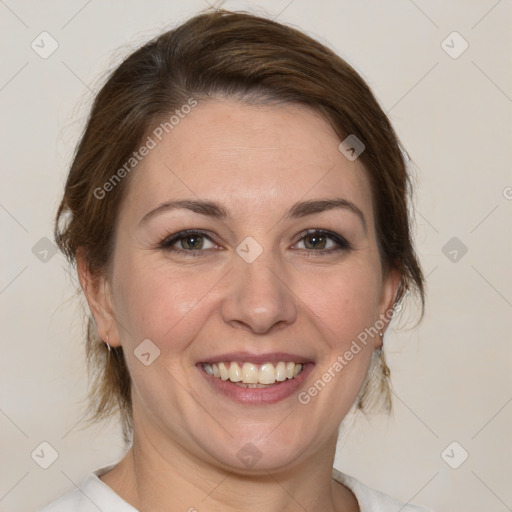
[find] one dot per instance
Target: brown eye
(315, 241)
(322, 241)
(191, 242)
(188, 241)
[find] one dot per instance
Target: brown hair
(236, 55)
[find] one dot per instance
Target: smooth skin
(194, 297)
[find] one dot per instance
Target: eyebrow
(321, 205)
(202, 207)
(298, 210)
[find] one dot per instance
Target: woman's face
(246, 237)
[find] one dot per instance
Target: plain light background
(451, 374)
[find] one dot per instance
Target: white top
(94, 495)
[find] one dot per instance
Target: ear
(98, 293)
(390, 285)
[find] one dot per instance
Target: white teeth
(223, 371)
(249, 373)
(280, 371)
(289, 370)
(235, 372)
(242, 385)
(254, 375)
(267, 374)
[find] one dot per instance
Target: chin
(247, 453)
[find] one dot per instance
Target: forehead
(250, 157)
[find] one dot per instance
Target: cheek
(156, 302)
(344, 302)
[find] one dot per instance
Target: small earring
(108, 346)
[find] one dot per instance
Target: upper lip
(269, 357)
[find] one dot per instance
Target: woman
(237, 212)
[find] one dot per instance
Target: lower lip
(257, 396)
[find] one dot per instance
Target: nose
(258, 298)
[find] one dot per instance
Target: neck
(151, 477)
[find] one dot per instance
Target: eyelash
(341, 242)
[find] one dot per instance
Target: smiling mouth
(250, 375)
